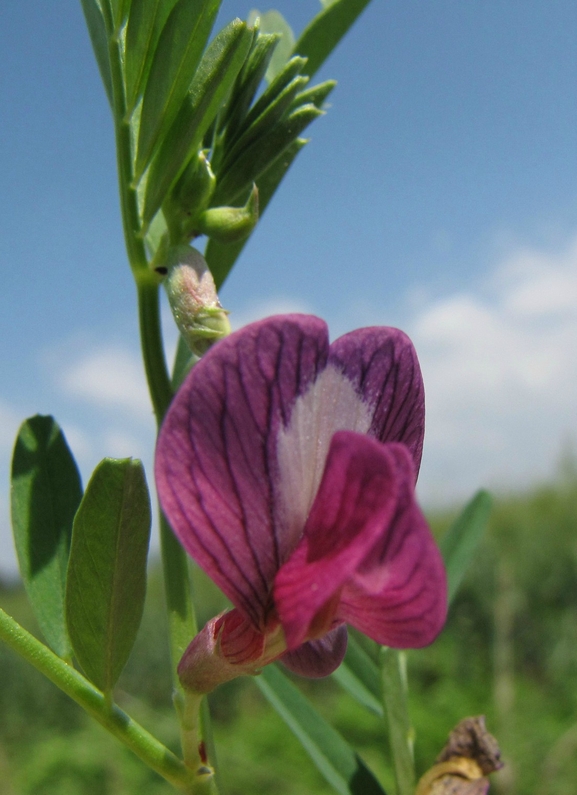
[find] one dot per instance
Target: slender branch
(118, 723)
(393, 672)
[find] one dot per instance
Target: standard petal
(398, 595)
(318, 658)
(383, 367)
(216, 458)
(353, 508)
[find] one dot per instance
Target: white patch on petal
(330, 404)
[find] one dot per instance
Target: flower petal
(353, 508)
(398, 595)
(216, 458)
(318, 658)
(382, 365)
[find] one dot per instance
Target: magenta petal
(216, 462)
(318, 658)
(382, 364)
(353, 508)
(398, 595)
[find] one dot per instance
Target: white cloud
(500, 370)
(108, 377)
(276, 305)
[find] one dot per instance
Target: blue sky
(439, 194)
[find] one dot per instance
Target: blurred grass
(509, 651)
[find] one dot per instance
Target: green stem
(118, 723)
(401, 733)
(151, 344)
(181, 618)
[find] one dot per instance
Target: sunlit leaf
(145, 23)
(99, 39)
(324, 32)
(221, 257)
(274, 22)
(459, 544)
(236, 181)
(174, 63)
(46, 492)
(107, 569)
(264, 123)
(248, 82)
(217, 72)
(334, 758)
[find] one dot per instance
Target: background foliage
(509, 651)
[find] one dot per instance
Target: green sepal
(45, 494)
(264, 123)
(230, 224)
(324, 32)
(106, 581)
(99, 38)
(176, 58)
(212, 81)
(334, 758)
(145, 23)
(220, 256)
(460, 542)
(256, 158)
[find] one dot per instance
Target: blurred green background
(509, 651)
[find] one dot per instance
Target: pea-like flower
(286, 467)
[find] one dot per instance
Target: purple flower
(286, 467)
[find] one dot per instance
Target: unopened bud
(190, 197)
(230, 224)
(193, 299)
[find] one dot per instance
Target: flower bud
(193, 299)
(230, 224)
(190, 197)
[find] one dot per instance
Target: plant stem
(118, 723)
(394, 677)
(181, 617)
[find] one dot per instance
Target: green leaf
(99, 39)
(271, 115)
(175, 60)
(324, 32)
(220, 256)
(269, 95)
(460, 542)
(359, 675)
(234, 184)
(107, 569)
(315, 94)
(247, 83)
(46, 492)
(145, 23)
(335, 759)
(215, 76)
(119, 10)
(274, 22)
